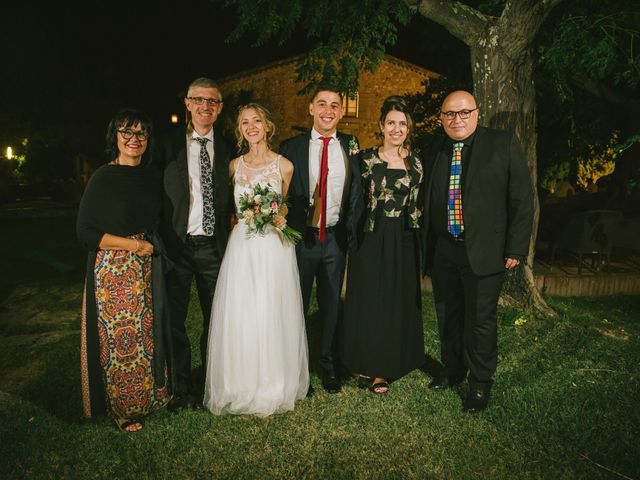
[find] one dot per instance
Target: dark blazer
(296, 149)
(171, 155)
(497, 201)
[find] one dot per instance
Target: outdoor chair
(591, 233)
(627, 242)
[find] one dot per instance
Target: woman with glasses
(124, 328)
(383, 325)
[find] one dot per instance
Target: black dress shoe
(442, 382)
(179, 402)
(477, 400)
(198, 404)
(364, 382)
(331, 383)
(310, 392)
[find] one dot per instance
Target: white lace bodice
(246, 178)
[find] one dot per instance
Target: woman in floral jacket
(383, 337)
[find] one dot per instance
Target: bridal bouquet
(258, 208)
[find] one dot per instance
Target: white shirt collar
(315, 135)
(208, 136)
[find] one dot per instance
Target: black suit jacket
(497, 201)
(296, 149)
(171, 155)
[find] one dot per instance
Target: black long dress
(124, 331)
(383, 333)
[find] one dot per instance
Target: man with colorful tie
(325, 198)
(479, 209)
(197, 206)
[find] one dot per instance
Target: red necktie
(322, 188)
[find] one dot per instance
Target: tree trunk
(505, 92)
(502, 65)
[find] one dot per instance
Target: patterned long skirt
(124, 306)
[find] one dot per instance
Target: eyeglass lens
(463, 114)
(200, 100)
(128, 134)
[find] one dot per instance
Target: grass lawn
(565, 403)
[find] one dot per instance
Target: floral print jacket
(379, 197)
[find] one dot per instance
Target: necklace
(393, 163)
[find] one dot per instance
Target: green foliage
(348, 36)
(592, 40)
(553, 175)
(588, 76)
(629, 142)
(425, 108)
(599, 163)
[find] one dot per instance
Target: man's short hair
(203, 82)
(327, 87)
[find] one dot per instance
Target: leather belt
(199, 238)
(328, 229)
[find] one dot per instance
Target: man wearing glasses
(196, 211)
(479, 202)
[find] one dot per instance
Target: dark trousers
(199, 259)
(466, 306)
(325, 263)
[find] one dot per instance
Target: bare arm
(232, 169)
(286, 172)
(233, 219)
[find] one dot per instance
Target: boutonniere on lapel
(353, 146)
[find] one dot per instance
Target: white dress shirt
(194, 226)
(335, 177)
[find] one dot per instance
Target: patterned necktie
(206, 186)
(322, 188)
(455, 222)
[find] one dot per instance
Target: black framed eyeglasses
(128, 134)
(212, 102)
(463, 114)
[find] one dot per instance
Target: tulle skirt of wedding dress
(257, 355)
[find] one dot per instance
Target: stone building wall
(275, 87)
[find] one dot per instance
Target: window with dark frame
(351, 106)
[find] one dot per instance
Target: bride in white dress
(257, 359)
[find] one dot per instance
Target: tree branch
(598, 89)
(461, 20)
(521, 20)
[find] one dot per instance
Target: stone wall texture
(275, 87)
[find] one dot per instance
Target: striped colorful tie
(455, 222)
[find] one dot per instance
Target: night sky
(67, 66)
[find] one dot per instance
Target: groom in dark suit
(195, 224)
(479, 205)
(325, 198)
